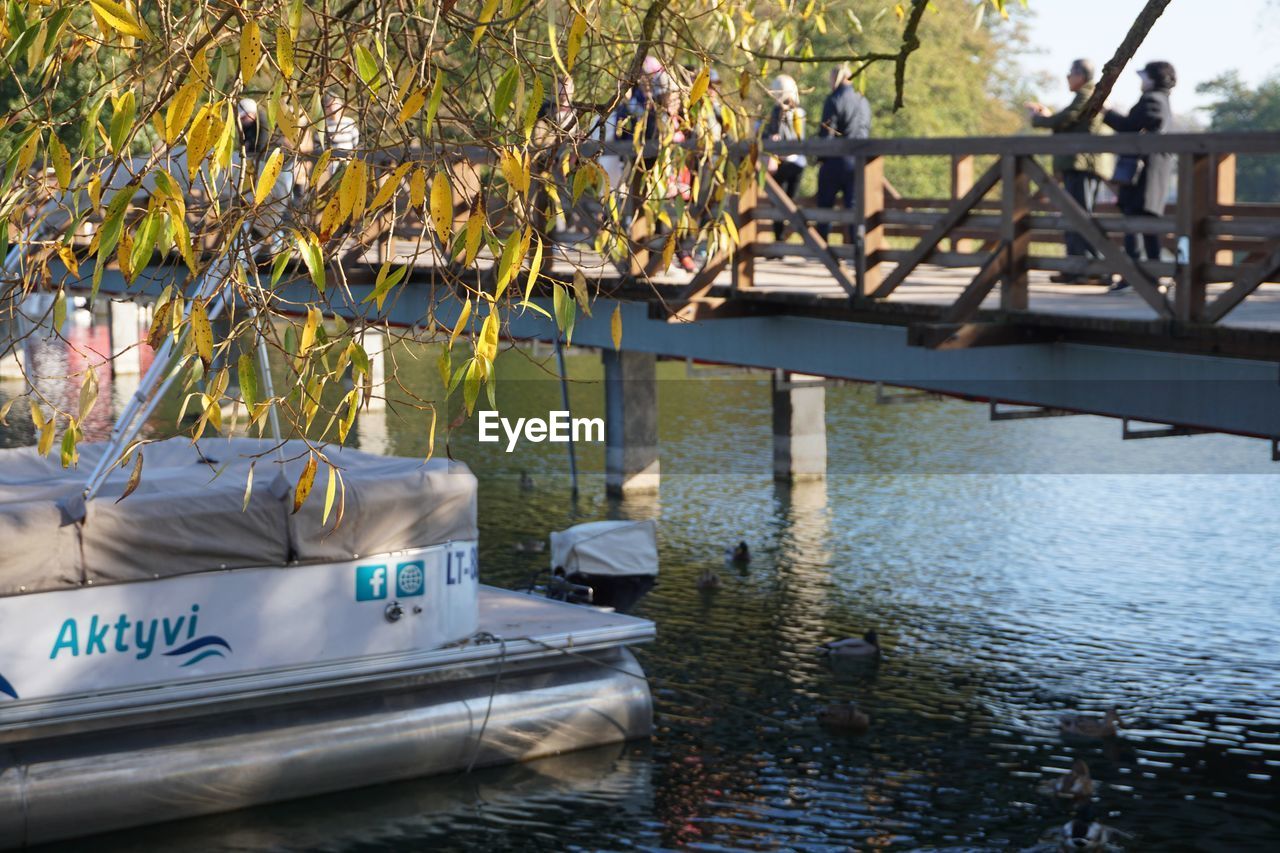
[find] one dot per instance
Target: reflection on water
(1015, 571)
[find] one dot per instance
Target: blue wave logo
(6, 688)
(202, 648)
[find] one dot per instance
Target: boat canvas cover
(188, 513)
(613, 548)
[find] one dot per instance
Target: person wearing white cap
(1144, 182)
(786, 124)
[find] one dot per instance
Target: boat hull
(98, 781)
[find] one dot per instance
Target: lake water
(1015, 572)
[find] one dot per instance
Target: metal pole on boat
(151, 389)
(564, 398)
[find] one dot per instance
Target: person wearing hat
(786, 124)
(845, 115)
(1143, 182)
(1081, 173)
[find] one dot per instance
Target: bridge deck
(794, 281)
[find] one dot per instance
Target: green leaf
(367, 67)
(248, 375)
(122, 121)
(566, 311)
(60, 310)
(444, 366)
(471, 386)
(505, 91)
(386, 280)
(433, 105)
(277, 269)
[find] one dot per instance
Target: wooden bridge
(950, 295)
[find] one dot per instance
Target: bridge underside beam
(1207, 392)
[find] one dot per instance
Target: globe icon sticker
(410, 579)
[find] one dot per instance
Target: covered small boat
(188, 650)
(618, 560)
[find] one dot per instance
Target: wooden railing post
(961, 183)
(1015, 232)
(1224, 195)
(870, 224)
(744, 256)
(1195, 207)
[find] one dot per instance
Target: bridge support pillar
(126, 358)
(631, 422)
(375, 346)
(12, 364)
(799, 427)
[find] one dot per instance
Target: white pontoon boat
(178, 652)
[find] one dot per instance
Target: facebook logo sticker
(371, 583)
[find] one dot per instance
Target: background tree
(1241, 108)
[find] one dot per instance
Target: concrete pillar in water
(631, 422)
(11, 364)
(375, 346)
(126, 360)
(799, 427)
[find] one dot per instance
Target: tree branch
(1124, 53)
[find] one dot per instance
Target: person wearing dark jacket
(845, 115)
(1081, 173)
(1145, 181)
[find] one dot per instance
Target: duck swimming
(1076, 785)
(845, 717)
(1083, 833)
(1086, 726)
(708, 580)
(526, 482)
(740, 554)
(867, 647)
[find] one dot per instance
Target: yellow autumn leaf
(267, 179)
(615, 327)
(305, 482)
(418, 188)
(463, 315)
(61, 161)
(202, 333)
(284, 51)
(120, 18)
(361, 181)
(250, 50)
(308, 337)
(576, 31)
(487, 343)
(442, 207)
(332, 217)
(180, 110)
(474, 234)
(389, 186)
(486, 15)
(699, 87)
(412, 104)
(28, 154)
(330, 491)
(347, 188)
(284, 118)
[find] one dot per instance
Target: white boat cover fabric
(187, 514)
(613, 548)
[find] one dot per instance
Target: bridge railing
(1006, 209)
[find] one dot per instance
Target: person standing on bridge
(1081, 173)
(846, 114)
(1144, 181)
(786, 124)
